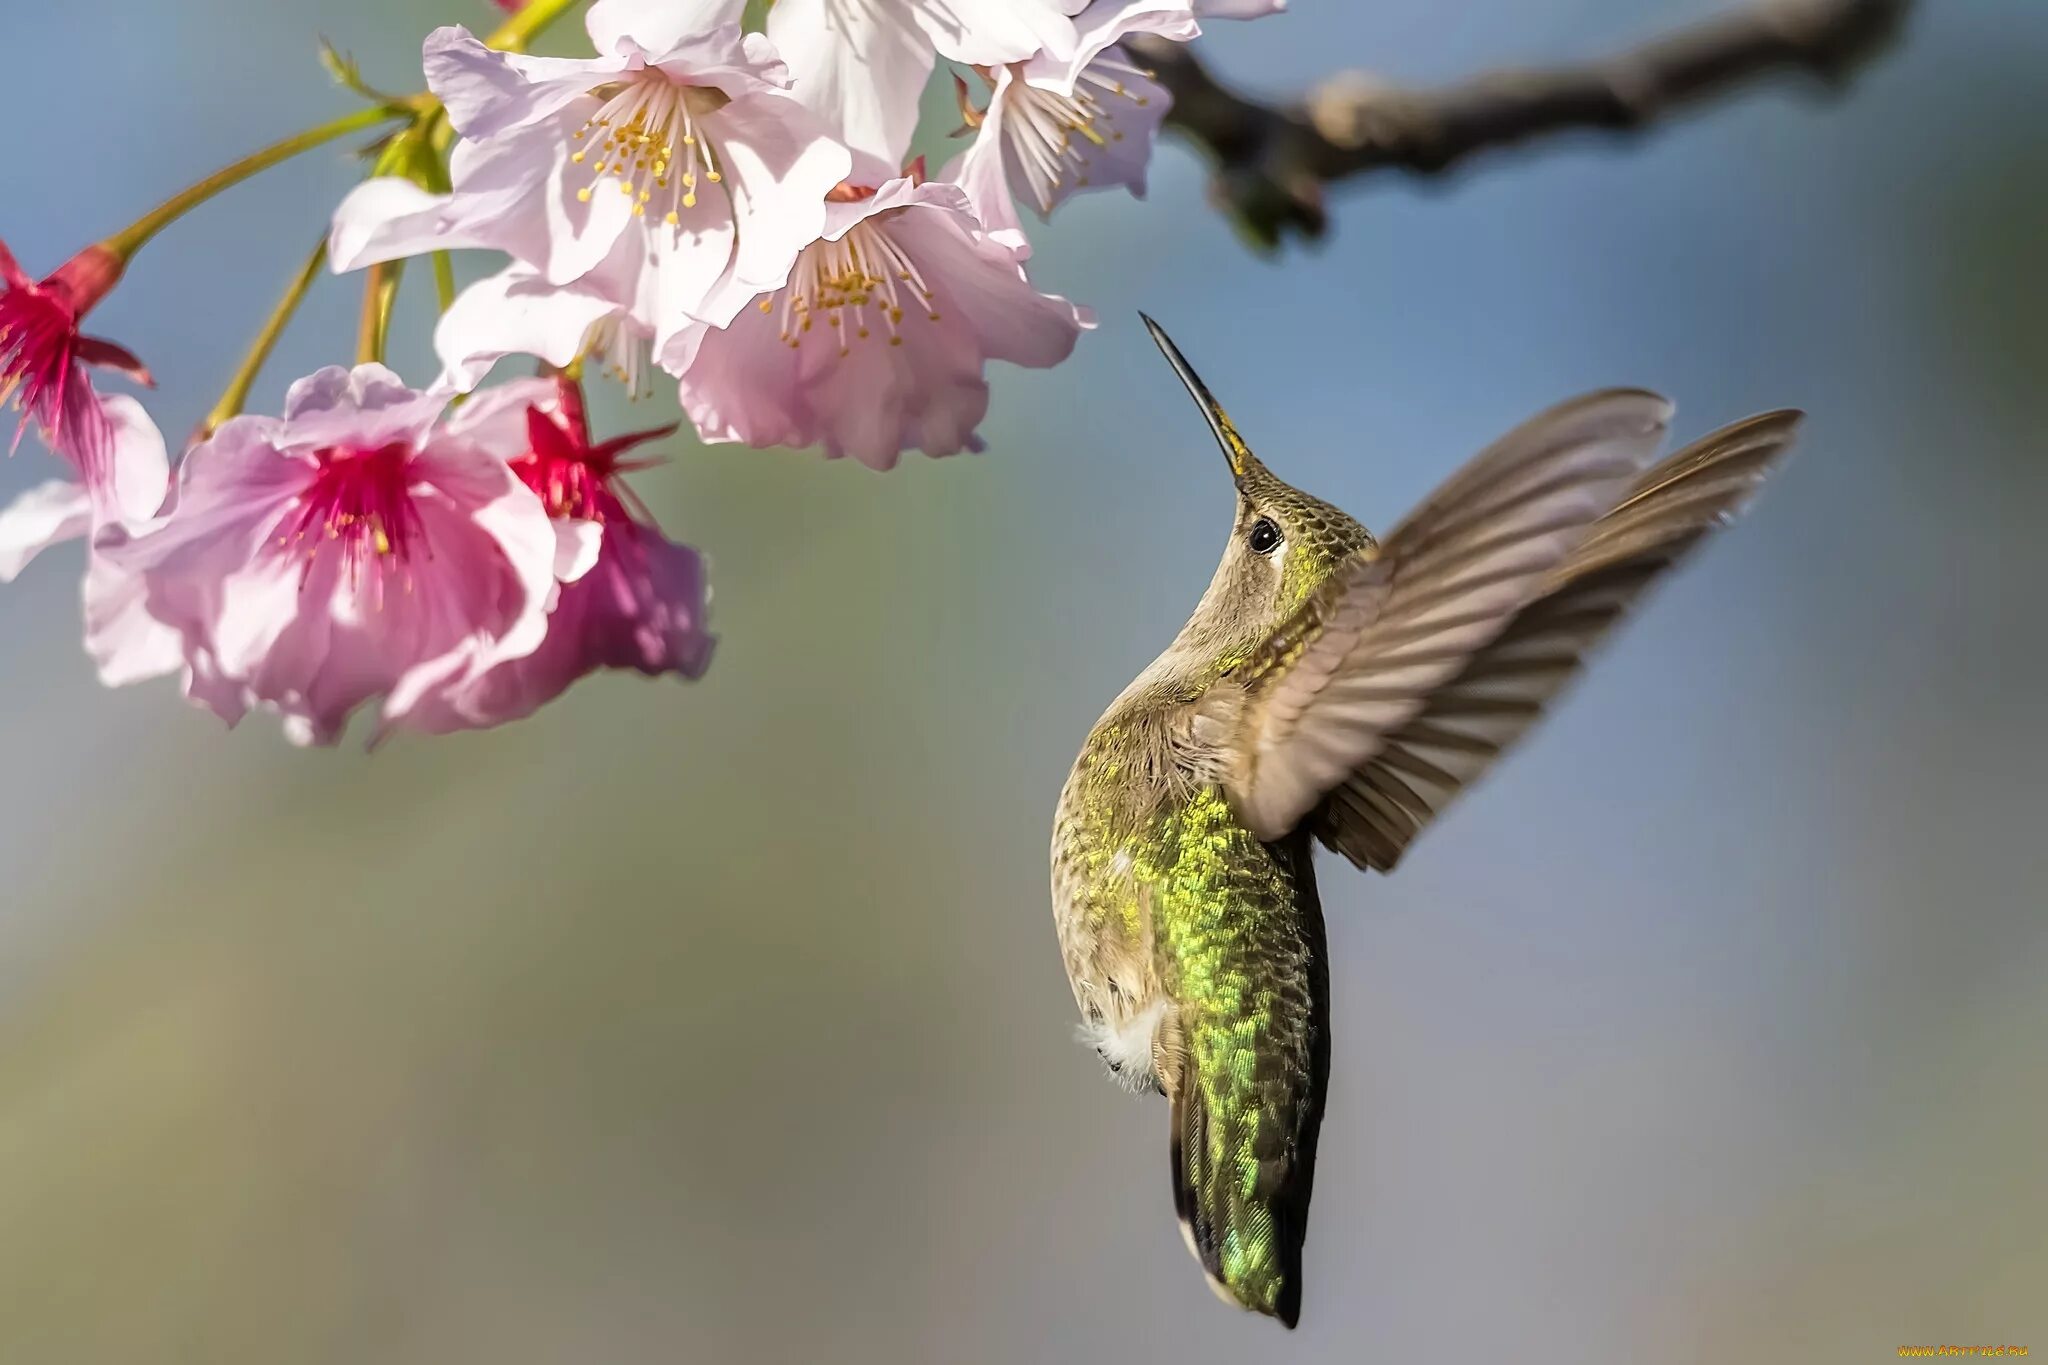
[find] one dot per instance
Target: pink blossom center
(648, 139)
(862, 281)
(43, 357)
(572, 477)
(569, 487)
(360, 504)
(38, 345)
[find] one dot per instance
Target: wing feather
(1420, 766)
(1428, 660)
(1397, 622)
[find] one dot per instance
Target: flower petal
(779, 167)
(991, 32)
(142, 467)
(386, 218)
(367, 406)
(11, 273)
(984, 172)
(658, 25)
(577, 544)
(489, 93)
(871, 396)
(477, 491)
(642, 607)
(860, 68)
(1107, 22)
(986, 287)
(515, 312)
(127, 643)
(48, 514)
(495, 418)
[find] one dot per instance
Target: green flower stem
(435, 136)
(237, 392)
(522, 28)
(380, 291)
(444, 280)
(130, 239)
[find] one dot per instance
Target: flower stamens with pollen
(843, 280)
(573, 476)
(35, 352)
(622, 352)
(361, 502)
(648, 138)
(1044, 125)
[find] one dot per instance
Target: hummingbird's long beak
(1234, 449)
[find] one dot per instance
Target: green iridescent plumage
(1194, 908)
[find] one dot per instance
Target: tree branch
(1273, 161)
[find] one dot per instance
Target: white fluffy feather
(1127, 1046)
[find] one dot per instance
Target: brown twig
(1273, 160)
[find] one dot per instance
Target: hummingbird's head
(1283, 544)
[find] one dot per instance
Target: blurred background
(725, 1023)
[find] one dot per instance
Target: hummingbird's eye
(1265, 536)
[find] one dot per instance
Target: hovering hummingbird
(1338, 689)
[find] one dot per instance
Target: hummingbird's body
(1329, 689)
(1196, 953)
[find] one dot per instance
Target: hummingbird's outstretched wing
(1408, 673)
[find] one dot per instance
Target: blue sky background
(725, 1023)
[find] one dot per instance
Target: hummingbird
(1337, 689)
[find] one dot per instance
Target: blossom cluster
(734, 210)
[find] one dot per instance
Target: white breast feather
(1127, 1045)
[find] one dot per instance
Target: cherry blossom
(1070, 120)
(641, 605)
(672, 172)
(879, 341)
(353, 548)
(683, 198)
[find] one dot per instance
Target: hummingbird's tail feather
(1248, 1097)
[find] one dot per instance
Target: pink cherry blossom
(861, 65)
(878, 342)
(352, 549)
(43, 359)
(640, 606)
(1069, 120)
(671, 173)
